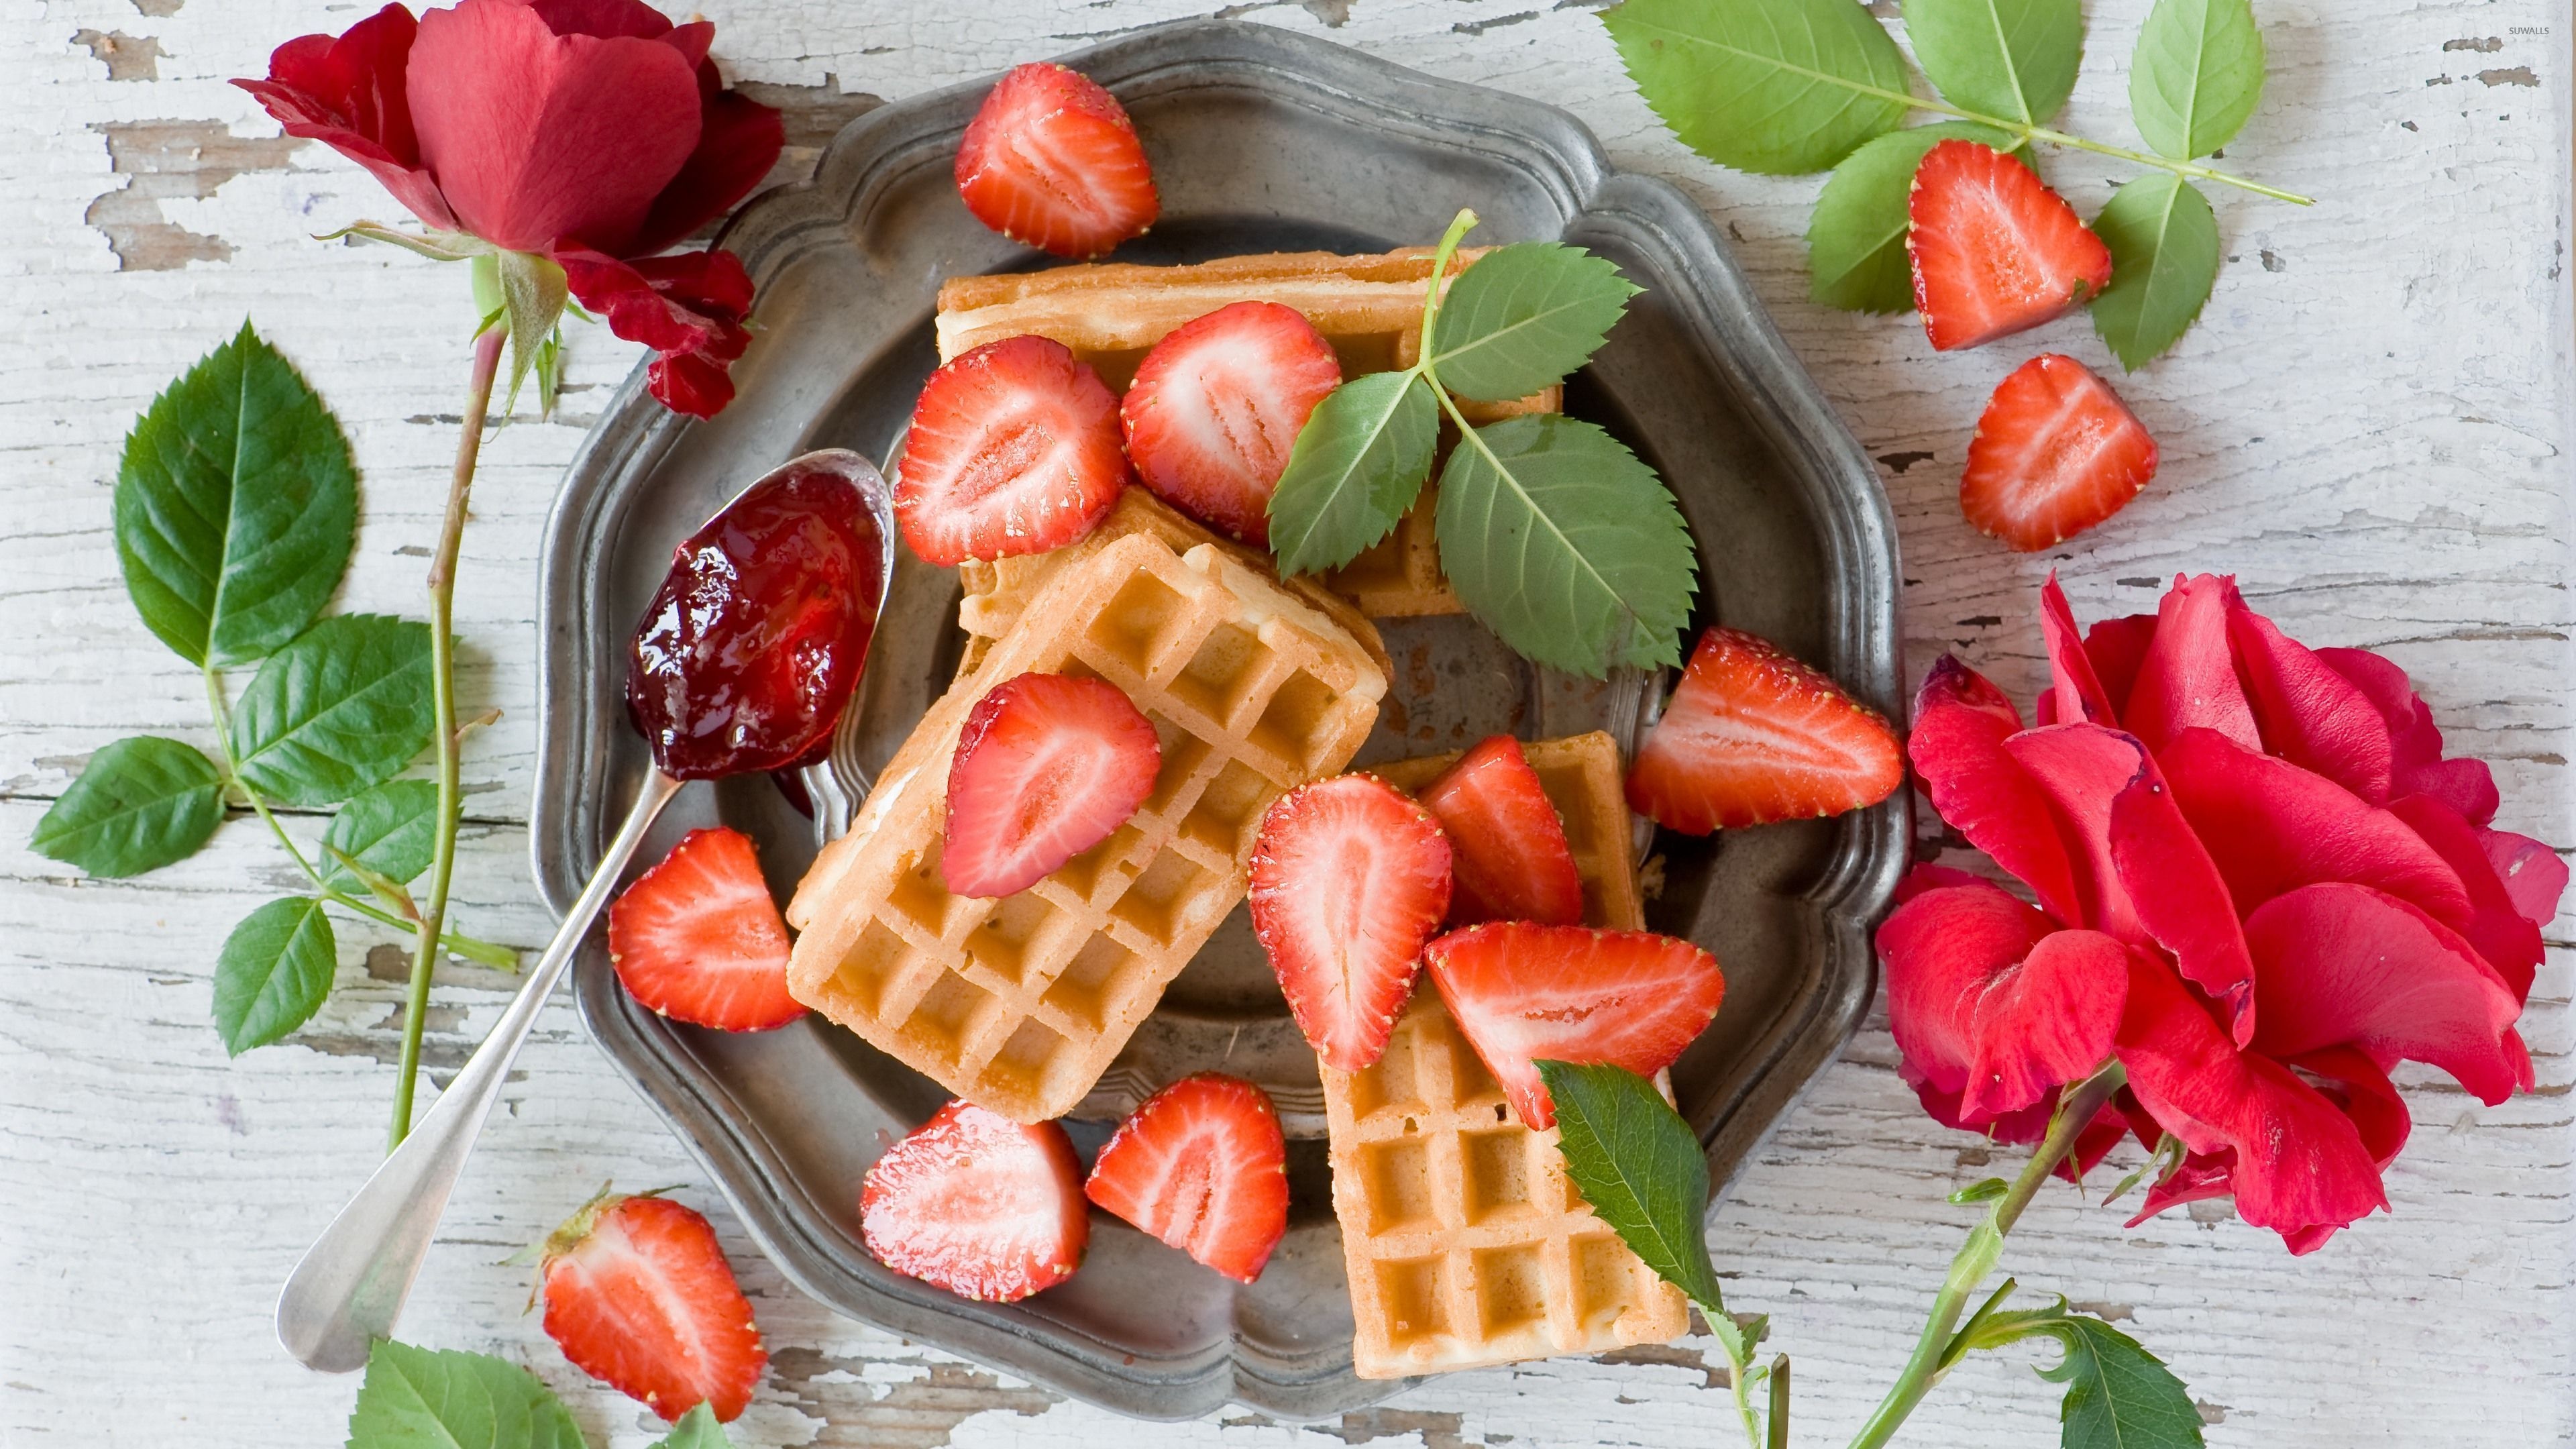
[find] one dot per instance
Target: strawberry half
(1047, 766)
(973, 1202)
(640, 1297)
(1216, 407)
(1349, 877)
(1524, 994)
(698, 937)
(1995, 251)
(1753, 736)
(2055, 453)
(1203, 1167)
(1051, 161)
(1013, 449)
(1510, 855)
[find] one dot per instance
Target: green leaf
(420, 1398)
(338, 711)
(697, 1429)
(1637, 1163)
(2164, 260)
(274, 971)
(2013, 59)
(1780, 86)
(391, 830)
(2197, 75)
(438, 246)
(236, 506)
(2118, 1395)
(1522, 317)
(1358, 464)
(1856, 239)
(1565, 545)
(139, 804)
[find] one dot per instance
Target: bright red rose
(593, 133)
(2260, 886)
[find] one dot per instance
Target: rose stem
(442, 670)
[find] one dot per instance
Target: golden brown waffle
(1019, 1004)
(1368, 307)
(1465, 1242)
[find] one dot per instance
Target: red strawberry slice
(1203, 1167)
(1524, 994)
(1754, 736)
(640, 1297)
(1051, 161)
(973, 1202)
(1995, 251)
(1349, 877)
(698, 937)
(1216, 406)
(1511, 858)
(1013, 449)
(2056, 453)
(1047, 766)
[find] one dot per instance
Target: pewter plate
(1261, 141)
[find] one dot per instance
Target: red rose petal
(2117, 649)
(2189, 675)
(352, 94)
(2508, 940)
(2076, 685)
(2310, 714)
(1961, 722)
(2416, 766)
(2532, 873)
(1988, 999)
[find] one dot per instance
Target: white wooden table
(2369, 427)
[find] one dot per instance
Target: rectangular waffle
(1368, 307)
(1464, 1241)
(1019, 1004)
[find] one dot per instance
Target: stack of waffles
(1465, 1242)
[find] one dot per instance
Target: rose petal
(738, 141)
(2077, 690)
(2496, 927)
(2308, 713)
(1930, 877)
(601, 18)
(1960, 724)
(2532, 873)
(1988, 999)
(2117, 649)
(2189, 676)
(2273, 827)
(538, 138)
(689, 308)
(2416, 766)
(352, 95)
(2339, 964)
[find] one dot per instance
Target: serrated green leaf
(1522, 317)
(1636, 1162)
(139, 804)
(274, 971)
(697, 1429)
(1779, 86)
(2197, 75)
(1565, 545)
(1357, 465)
(338, 711)
(2118, 1395)
(391, 830)
(1856, 238)
(236, 506)
(420, 1398)
(2013, 59)
(2164, 260)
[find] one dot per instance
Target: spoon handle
(351, 1284)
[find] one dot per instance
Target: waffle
(1368, 307)
(1464, 1240)
(1019, 1004)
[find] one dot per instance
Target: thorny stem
(2076, 1107)
(442, 662)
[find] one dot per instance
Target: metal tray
(1262, 141)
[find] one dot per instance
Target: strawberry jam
(755, 641)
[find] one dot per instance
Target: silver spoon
(350, 1286)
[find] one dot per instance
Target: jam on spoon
(749, 654)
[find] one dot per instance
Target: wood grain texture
(2369, 427)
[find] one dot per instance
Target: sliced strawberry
(698, 937)
(1013, 449)
(1754, 736)
(1047, 766)
(1051, 161)
(1349, 877)
(640, 1297)
(1509, 847)
(1203, 1167)
(1524, 994)
(2056, 453)
(973, 1202)
(1995, 251)
(1216, 406)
